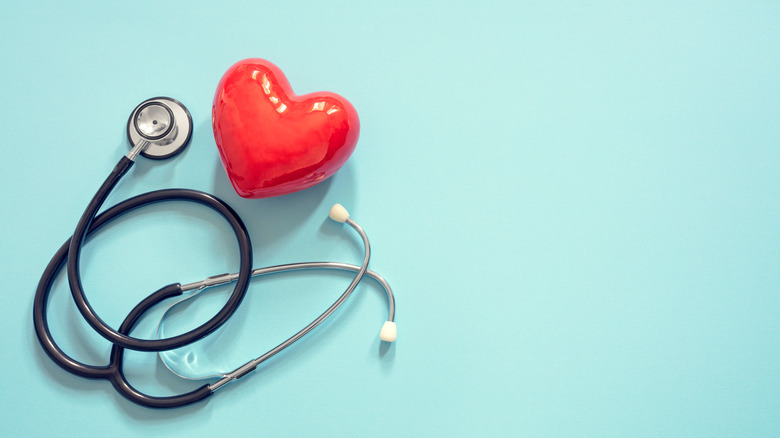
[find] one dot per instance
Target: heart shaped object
(273, 142)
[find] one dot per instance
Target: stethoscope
(159, 128)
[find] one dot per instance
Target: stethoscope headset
(160, 128)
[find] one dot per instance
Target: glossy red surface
(273, 142)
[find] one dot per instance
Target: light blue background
(575, 203)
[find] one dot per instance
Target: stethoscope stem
(141, 146)
(218, 280)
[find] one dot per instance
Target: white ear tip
(388, 332)
(338, 213)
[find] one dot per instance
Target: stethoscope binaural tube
(169, 358)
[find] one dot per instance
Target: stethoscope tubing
(117, 377)
(77, 240)
(113, 371)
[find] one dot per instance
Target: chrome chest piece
(164, 123)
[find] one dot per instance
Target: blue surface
(576, 205)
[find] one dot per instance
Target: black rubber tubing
(113, 371)
(83, 229)
(117, 377)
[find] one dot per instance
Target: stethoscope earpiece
(164, 123)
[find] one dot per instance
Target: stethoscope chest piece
(163, 122)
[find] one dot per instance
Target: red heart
(273, 142)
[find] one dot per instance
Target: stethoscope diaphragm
(163, 122)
